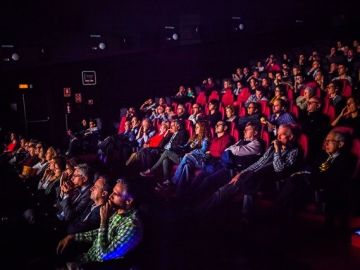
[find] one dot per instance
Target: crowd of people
(293, 121)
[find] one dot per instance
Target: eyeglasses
(331, 141)
(196, 107)
(311, 102)
(251, 107)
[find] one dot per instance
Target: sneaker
(146, 173)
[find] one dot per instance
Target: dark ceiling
(54, 24)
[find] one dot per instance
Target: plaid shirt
(114, 240)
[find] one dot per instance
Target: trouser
(166, 157)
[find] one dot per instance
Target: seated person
(279, 160)
(349, 116)
(196, 114)
(252, 115)
(120, 229)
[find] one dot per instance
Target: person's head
(182, 89)
(200, 129)
(59, 165)
(278, 105)
(252, 108)
(332, 89)
(146, 123)
(333, 142)
(315, 64)
(162, 101)
(285, 134)
(92, 123)
(22, 142)
(84, 123)
(319, 76)
(38, 148)
(160, 109)
(313, 104)
(50, 153)
(168, 109)
(31, 149)
(352, 105)
(253, 83)
(308, 92)
(121, 197)
(196, 108)
(220, 128)
(278, 76)
(127, 125)
(279, 92)
(229, 111)
(12, 136)
(239, 85)
(341, 69)
(165, 125)
(135, 122)
(81, 175)
(213, 105)
(175, 126)
(180, 110)
(299, 79)
(70, 167)
(101, 190)
(259, 93)
(296, 71)
(264, 82)
(226, 84)
(250, 131)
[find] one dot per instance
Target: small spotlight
(102, 46)
(15, 57)
(175, 36)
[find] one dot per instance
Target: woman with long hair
(198, 145)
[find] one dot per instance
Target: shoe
(146, 173)
(165, 185)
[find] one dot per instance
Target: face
(37, 149)
(180, 109)
(195, 109)
(48, 155)
(163, 128)
(220, 127)
(78, 179)
(22, 143)
(330, 89)
(52, 165)
(306, 93)
(92, 124)
(351, 105)
(249, 133)
(258, 94)
(168, 110)
(145, 123)
(278, 76)
(31, 150)
(69, 170)
(161, 101)
(118, 197)
(229, 112)
(284, 135)
(264, 82)
(341, 70)
(134, 122)
(331, 145)
(312, 105)
(182, 89)
(197, 129)
(174, 127)
(97, 190)
(83, 123)
(251, 109)
(160, 109)
(127, 125)
(57, 169)
(211, 106)
(226, 84)
(277, 92)
(333, 67)
(276, 106)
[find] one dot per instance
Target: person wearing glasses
(332, 173)
(196, 113)
(279, 160)
(349, 116)
(119, 233)
(315, 125)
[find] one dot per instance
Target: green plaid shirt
(115, 240)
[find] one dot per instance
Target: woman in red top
(150, 149)
(11, 147)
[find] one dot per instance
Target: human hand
(235, 179)
(64, 243)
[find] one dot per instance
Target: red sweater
(218, 145)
